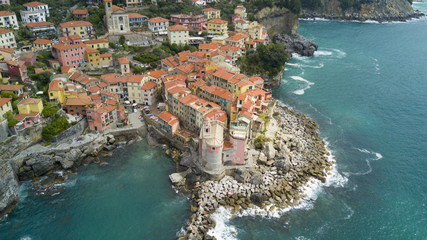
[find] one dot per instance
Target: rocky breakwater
(287, 159)
(378, 10)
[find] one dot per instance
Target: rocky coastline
(285, 163)
(296, 43)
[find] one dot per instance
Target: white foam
(223, 230)
(25, 238)
(378, 156)
(301, 91)
(322, 53)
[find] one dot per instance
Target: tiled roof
(210, 10)
(116, 8)
(157, 73)
(177, 28)
(8, 50)
(34, 4)
(38, 24)
(29, 101)
(80, 12)
(6, 13)
(4, 31)
(42, 41)
(167, 117)
(218, 21)
(80, 101)
(75, 24)
(149, 85)
(63, 46)
(10, 87)
(54, 86)
(123, 60)
(134, 15)
(157, 19)
(93, 41)
(3, 101)
(21, 117)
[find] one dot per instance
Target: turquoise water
(366, 87)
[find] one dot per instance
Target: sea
(366, 86)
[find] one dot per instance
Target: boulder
(269, 150)
(283, 163)
(262, 158)
(256, 178)
(41, 164)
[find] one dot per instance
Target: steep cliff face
(378, 10)
(9, 188)
(278, 20)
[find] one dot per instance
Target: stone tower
(210, 146)
(108, 13)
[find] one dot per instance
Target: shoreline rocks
(284, 165)
(296, 43)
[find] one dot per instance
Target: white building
(158, 25)
(8, 20)
(34, 12)
(7, 39)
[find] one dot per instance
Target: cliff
(9, 189)
(378, 10)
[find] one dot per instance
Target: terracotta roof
(157, 73)
(168, 117)
(3, 101)
(149, 85)
(110, 102)
(8, 50)
(6, 13)
(80, 12)
(65, 69)
(10, 87)
(174, 83)
(63, 46)
(177, 28)
(91, 50)
(42, 41)
(134, 15)
(170, 61)
(210, 10)
(104, 55)
(54, 86)
(116, 8)
(102, 85)
(235, 38)
(217, 21)
(38, 24)
(255, 79)
(243, 83)
(157, 19)
(209, 46)
(21, 117)
(93, 41)
(75, 24)
(29, 101)
(4, 31)
(123, 60)
(34, 4)
(40, 70)
(80, 101)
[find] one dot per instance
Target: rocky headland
(291, 154)
(376, 10)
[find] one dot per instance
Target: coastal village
(178, 77)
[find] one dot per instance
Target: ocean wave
(377, 157)
(310, 192)
(301, 91)
(322, 53)
(25, 238)
(223, 230)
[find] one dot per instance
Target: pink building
(197, 22)
(101, 117)
(27, 120)
(168, 122)
(4, 2)
(70, 51)
(16, 70)
(149, 93)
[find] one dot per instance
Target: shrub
(49, 110)
(259, 142)
(57, 126)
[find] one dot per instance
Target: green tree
(49, 110)
(11, 122)
(122, 40)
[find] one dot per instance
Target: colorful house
(71, 55)
(217, 26)
(124, 65)
(168, 122)
(192, 22)
(178, 34)
(136, 19)
(8, 20)
(101, 117)
(7, 38)
(149, 93)
(97, 43)
(27, 120)
(211, 13)
(41, 28)
(80, 13)
(30, 105)
(158, 25)
(97, 60)
(42, 44)
(5, 106)
(56, 92)
(82, 28)
(78, 106)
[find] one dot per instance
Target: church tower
(108, 13)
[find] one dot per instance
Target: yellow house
(30, 105)
(256, 30)
(240, 87)
(5, 106)
(4, 80)
(97, 60)
(42, 44)
(217, 26)
(57, 92)
(97, 43)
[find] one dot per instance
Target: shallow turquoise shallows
(366, 87)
